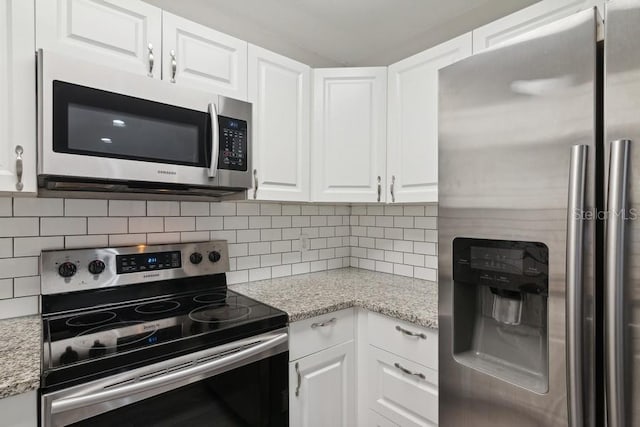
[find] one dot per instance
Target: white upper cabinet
(280, 90)
(17, 98)
(349, 134)
(203, 58)
(124, 34)
(412, 147)
(527, 19)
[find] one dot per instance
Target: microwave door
(234, 144)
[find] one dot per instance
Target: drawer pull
(323, 324)
(408, 372)
(411, 334)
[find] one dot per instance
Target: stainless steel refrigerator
(539, 228)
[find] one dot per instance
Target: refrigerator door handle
(614, 281)
(574, 268)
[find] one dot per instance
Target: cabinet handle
(150, 56)
(299, 379)
(19, 169)
(255, 184)
(411, 334)
(323, 324)
(379, 187)
(408, 372)
(393, 193)
(174, 65)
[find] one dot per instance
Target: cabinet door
(349, 134)
(527, 19)
(321, 388)
(280, 91)
(17, 97)
(203, 58)
(125, 34)
(412, 147)
(20, 410)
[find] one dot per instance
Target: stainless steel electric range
(151, 336)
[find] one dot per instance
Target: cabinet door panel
(17, 96)
(116, 33)
(527, 19)
(325, 388)
(412, 148)
(204, 58)
(280, 91)
(349, 134)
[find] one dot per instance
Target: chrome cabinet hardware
(299, 379)
(19, 168)
(325, 323)
(409, 372)
(151, 59)
(574, 267)
(379, 187)
(411, 334)
(255, 183)
(393, 192)
(174, 65)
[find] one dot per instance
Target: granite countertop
(20, 348)
(314, 294)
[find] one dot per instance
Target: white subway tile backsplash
(248, 236)
(31, 206)
(300, 221)
(194, 208)
(393, 210)
(247, 262)
(223, 209)
(17, 227)
(107, 225)
(90, 241)
(300, 268)
(291, 209)
(162, 238)
(85, 207)
(238, 249)
(209, 223)
(229, 236)
(236, 222)
(16, 307)
(403, 221)
(127, 239)
(6, 288)
(384, 267)
(194, 236)
(415, 234)
(291, 257)
(31, 246)
(6, 206)
(328, 253)
(270, 234)
(146, 224)
(281, 270)
(248, 208)
(403, 270)
(179, 223)
(310, 210)
(63, 226)
(414, 210)
(6, 247)
(259, 248)
(26, 286)
(260, 273)
(237, 277)
(425, 222)
(318, 265)
(18, 267)
(281, 221)
(414, 259)
(157, 208)
(269, 260)
(259, 222)
(426, 273)
(270, 209)
(426, 248)
(127, 208)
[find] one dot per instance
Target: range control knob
(96, 266)
(214, 256)
(67, 269)
(195, 258)
(69, 356)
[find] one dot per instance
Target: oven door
(243, 383)
(102, 124)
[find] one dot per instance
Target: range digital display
(135, 263)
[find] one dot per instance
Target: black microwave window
(93, 122)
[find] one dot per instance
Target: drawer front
(318, 333)
(377, 420)
(397, 394)
(404, 339)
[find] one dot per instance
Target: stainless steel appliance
(521, 171)
(105, 130)
(151, 336)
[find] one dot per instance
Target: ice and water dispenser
(500, 303)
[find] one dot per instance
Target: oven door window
(93, 122)
(249, 396)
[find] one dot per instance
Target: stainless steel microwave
(105, 130)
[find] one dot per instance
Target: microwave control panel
(233, 144)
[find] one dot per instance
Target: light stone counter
(314, 294)
(20, 349)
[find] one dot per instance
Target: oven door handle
(75, 402)
(215, 140)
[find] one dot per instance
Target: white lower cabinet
(321, 391)
(20, 410)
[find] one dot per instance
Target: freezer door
(517, 130)
(622, 266)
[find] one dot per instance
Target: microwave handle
(215, 140)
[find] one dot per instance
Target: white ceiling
(326, 33)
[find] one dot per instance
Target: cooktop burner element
(216, 313)
(91, 319)
(157, 307)
(134, 313)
